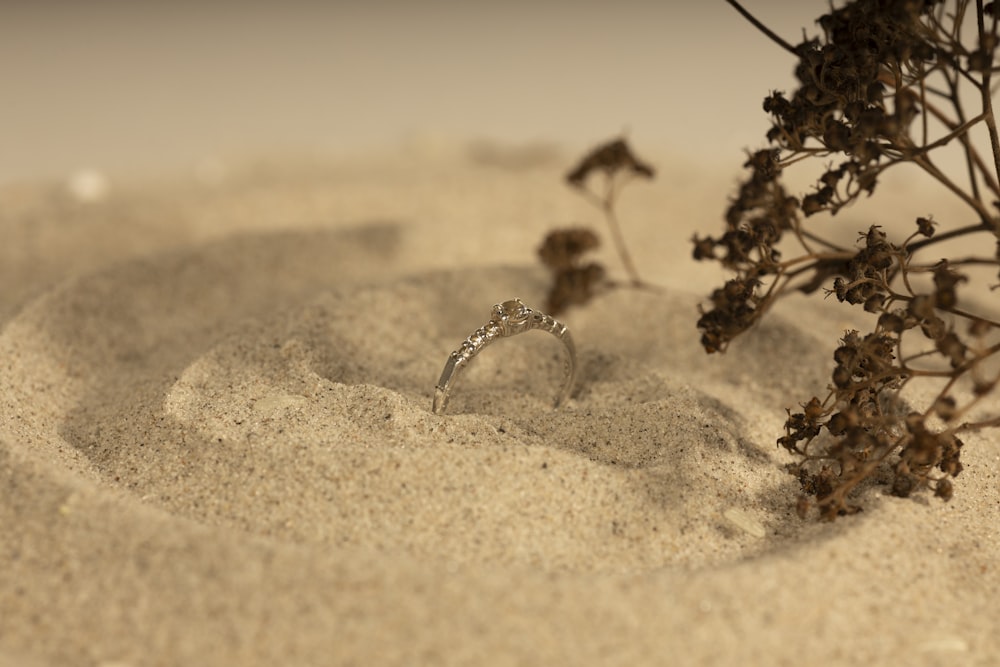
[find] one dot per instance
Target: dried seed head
(562, 248)
(610, 158)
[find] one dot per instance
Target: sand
(217, 448)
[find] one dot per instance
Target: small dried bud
(891, 322)
(950, 346)
(875, 93)
(875, 238)
(934, 328)
(840, 288)
(839, 423)
(812, 204)
(945, 280)
(859, 293)
(980, 60)
(831, 178)
(813, 409)
(902, 485)
(845, 355)
(880, 259)
(944, 407)
(842, 377)
(950, 457)
(979, 328)
(922, 307)
(704, 248)
(764, 164)
(873, 304)
(837, 135)
(983, 387)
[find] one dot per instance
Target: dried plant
(574, 282)
(886, 85)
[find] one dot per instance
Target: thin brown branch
(763, 28)
(987, 98)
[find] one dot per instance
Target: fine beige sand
(216, 443)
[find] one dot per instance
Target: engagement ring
(508, 319)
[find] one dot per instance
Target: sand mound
(223, 453)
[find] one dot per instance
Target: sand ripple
(224, 393)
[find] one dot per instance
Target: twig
(763, 28)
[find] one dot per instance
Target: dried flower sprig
(576, 283)
(886, 85)
(618, 164)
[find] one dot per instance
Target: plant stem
(616, 235)
(608, 206)
(987, 96)
(763, 28)
(976, 426)
(924, 162)
(952, 233)
(966, 143)
(970, 161)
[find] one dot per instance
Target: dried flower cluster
(610, 158)
(886, 85)
(575, 282)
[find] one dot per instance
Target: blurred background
(130, 88)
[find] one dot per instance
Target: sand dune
(216, 447)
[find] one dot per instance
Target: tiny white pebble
(88, 185)
(742, 520)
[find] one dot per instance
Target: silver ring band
(509, 318)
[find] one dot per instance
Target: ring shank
(503, 325)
